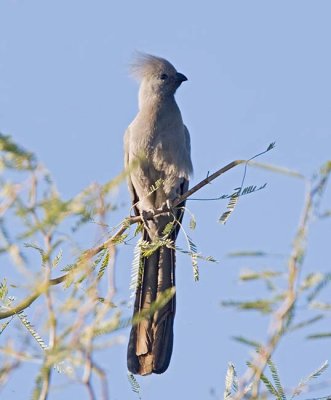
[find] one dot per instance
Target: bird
(158, 143)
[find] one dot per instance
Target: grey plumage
(160, 142)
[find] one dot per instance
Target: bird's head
(157, 76)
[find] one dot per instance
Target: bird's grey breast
(160, 138)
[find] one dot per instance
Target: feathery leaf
(39, 249)
(262, 305)
(5, 324)
(246, 341)
(194, 258)
(306, 322)
(57, 259)
(136, 269)
(271, 389)
(322, 335)
(304, 382)
(24, 319)
(231, 382)
(192, 223)
(134, 384)
(320, 286)
(3, 289)
(230, 207)
(276, 378)
(104, 264)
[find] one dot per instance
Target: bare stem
(46, 383)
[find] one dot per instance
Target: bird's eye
(163, 77)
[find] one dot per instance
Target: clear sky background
(259, 71)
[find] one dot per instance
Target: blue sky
(258, 72)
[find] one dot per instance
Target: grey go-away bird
(159, 142)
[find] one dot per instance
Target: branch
(127, 222)
(252, 376)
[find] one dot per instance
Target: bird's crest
(145, 65)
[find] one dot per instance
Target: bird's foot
(166, 208)
(147, 216)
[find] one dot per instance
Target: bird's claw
(166, 208)
(146, 216)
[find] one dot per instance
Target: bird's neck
(155, 103)
(157, 113)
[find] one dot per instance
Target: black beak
(180, 77)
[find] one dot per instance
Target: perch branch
(88, 254)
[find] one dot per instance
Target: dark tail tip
(132, 358)
(162, 348)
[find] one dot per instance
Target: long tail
(151, 340)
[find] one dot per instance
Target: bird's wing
(187, 150)
(127, 166)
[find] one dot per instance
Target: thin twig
(103, 379)
(88, 374)
(46, 383)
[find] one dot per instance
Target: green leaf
(322, 335)
(276, 378)
(5, 324)
(230, 207)
(192, 223)
(304, 382)
(120, 239)
(134, 384)
(162, 300)
(306, 322)
(271, 146)
(246, 341)
(57, 259)
(311, 280)
(39, 249)
(139, 228)
(149, 248)
(318, 305)
(248, 254)
(325, 280)
(136, 269)
(15, 157)
(270, 387)
(262, 305)
(156, 186)
(249, 275)
(231, 382)
(3, 289)
(69, 267)
(104, 265)
(194, 258)
(168, 228)
(24, 319)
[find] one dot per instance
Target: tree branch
(252, 376)
(88, 254)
